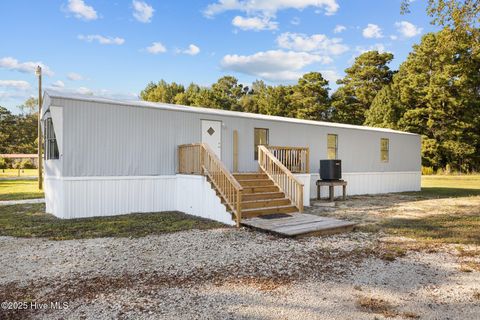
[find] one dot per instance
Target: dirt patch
(377, 305)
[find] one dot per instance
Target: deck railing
(199, 158)
(296, 159)
(283, 178)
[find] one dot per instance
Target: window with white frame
(51, 147)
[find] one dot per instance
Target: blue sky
(114, 48)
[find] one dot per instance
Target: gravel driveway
(233, 274)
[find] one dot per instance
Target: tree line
(18, 132)
(435, 92)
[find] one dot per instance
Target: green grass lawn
(11, 173)
(451, 186)
(30, 220)
(443, 228)
(19, 190)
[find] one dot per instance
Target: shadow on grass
(442, 192)
(450, 192)
(21, 196)
(461, 229)
(32, 221)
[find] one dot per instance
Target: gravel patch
(232, 274)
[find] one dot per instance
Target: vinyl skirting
(79, 197)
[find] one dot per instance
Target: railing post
(300, 198)
(307, 161)
(239, 208)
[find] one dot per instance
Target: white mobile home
(108, 157)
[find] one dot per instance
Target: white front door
(212, 135)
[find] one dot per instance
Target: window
(260, 138)
(384, 149)
(51, 147)
(332, 146)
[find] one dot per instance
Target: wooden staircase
(272, 190)
(261, 196)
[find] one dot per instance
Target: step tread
(268, 208)
(256, 182)
(264, 200)
(263, 196)
(250, 176)
(265, 203)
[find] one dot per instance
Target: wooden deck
(298, 224)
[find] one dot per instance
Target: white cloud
(58, 84)
(269, 7)
(14, 95)
(15, 84)
(331, 75)
(318, 43)
(372, 31)
(156, 48)
(81, 10)
(94, 92)
(339, 28)
(393, 37)
(408, 29)
(75, 76)
(192, 50)
(254, 23)
(25, 67)
(142, 11)
(380, 47)
(101, 39)
(84, 90)
(295, 21)
(275, 65)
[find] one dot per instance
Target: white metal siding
(117, 140)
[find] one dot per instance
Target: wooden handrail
(296, 159)
(282, 177)
(198, 158)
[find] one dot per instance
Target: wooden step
(263, 196)
(250, 176)
(256, 182)
(265, 203)
(259, 189)
(250, 213)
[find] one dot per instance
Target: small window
(384, 149)
(51, 147)
(260, 138)
(332, 146)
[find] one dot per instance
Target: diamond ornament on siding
(210, 131)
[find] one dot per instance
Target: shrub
(3, 164)
(427, 171)
(27, 164)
